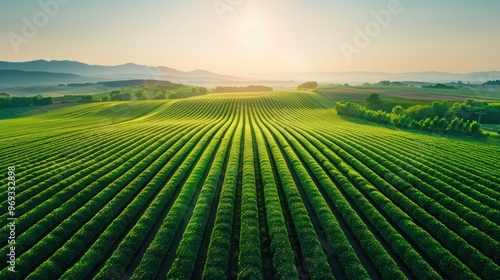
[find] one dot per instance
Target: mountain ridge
(96, 73)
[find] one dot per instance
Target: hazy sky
(261, 36)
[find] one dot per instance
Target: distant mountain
(78, 72)
(122, 72)
(12, 78)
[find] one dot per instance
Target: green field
(342, 92)
(244, 186)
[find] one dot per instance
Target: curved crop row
(187, 252)
(157, 250)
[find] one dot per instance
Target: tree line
(242, 89)
(308, 85)
(422, 109)
(440, 86)
(492, 83)
(398, 118)
(142, 94)
(7, 101)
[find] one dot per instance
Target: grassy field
(244, 186)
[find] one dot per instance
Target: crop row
(310, 246)
(171, 173)
(42, 223)
(58, 180)
(435, 186)
(118, 180)
(400, 193)
(60, 260)
(157, 250)
(217, 260)
(341, 247)
(348, 179)
(249, 261)
(281, 248)
(453, 168)
(188, 251)
(429, 199)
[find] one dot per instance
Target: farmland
(270, 185)
(359, 92)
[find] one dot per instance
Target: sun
(252, 33)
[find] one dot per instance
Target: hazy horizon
(257, 37)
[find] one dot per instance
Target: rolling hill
(268, 185)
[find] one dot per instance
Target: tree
(492, 82)
(308, 85)
(188, 92)
(203, 90)
(4, 100)
(159, 94)
(374, 101)
(250, 88)
(398, 110)
(125, 97)
(141, 95)
(37, 99)
(440, 86)
(115, 95)
(442, 124)
(104, 98)
(21, 101)
(474, 127)
(47, 101)
(87, 98)
(40, 100)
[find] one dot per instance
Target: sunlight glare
(252, 33)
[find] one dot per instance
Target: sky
(244, 37)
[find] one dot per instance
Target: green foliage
(187, 252)
(141, 95)
(373, 101)
(402, 118)
(155, 197)
(308, 85)
(40, 100)
(87, 98)
(492, 83)
(217, 261)
(153, 258)
(116, 95)
(188, 92)
(398, 110)
(249, 259)
(159, 94)
(252, 88)
(389, 83)
(5, 100)
(440, 86)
